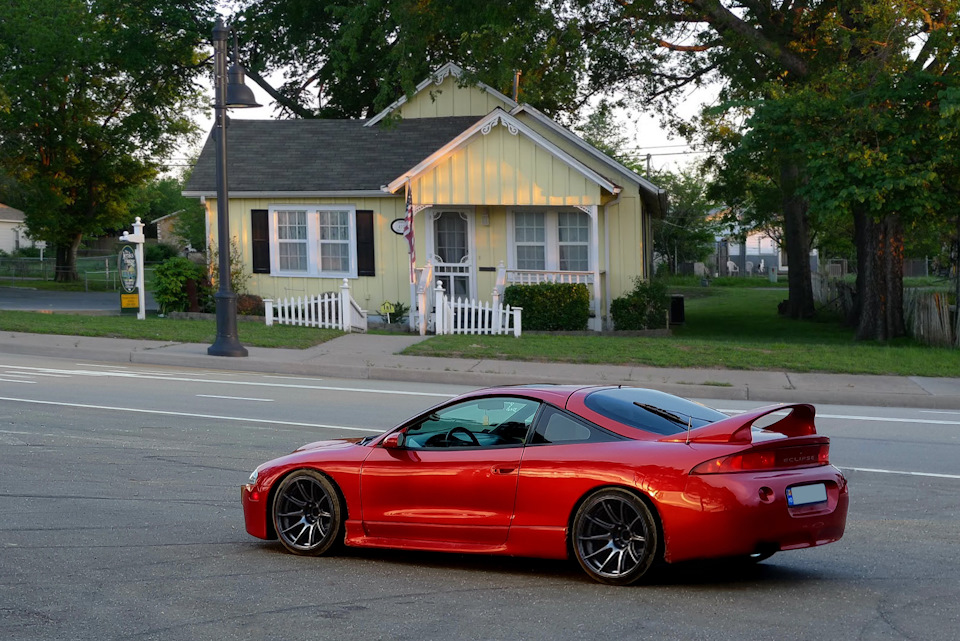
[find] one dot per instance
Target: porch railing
(331, 310)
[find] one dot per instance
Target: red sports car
(617, 477)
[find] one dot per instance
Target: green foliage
(170, 284)
(360, 56)
(158, 252)
(550, 307)
(399, 314)
(99, 92)
(685, 233)
(162, 197)
(643, 308)
(250, 305)
(239, 279)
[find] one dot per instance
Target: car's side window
(478, 422)
(557, 427)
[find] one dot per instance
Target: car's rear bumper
(254, 503)
(742, 513)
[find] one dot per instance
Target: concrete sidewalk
(372, 356)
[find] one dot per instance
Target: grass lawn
(162, 329)
(735, 328)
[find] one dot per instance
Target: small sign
(399, 226)
(130, 301)
(387, 308)
(127, 266)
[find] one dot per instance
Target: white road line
(938, 412)
(876, 471)
(249, 383)
(210, 416)
(235, 398)
(35, 374)
(295, 378)
(15, 380)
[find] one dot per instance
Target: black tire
(614, 537)
(307, 514)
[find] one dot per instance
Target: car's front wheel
(614, 536)
(307, 513)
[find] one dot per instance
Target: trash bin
(677, 315)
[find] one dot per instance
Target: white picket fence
(332, 310)
(463, 316)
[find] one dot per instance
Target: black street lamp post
(229, 91)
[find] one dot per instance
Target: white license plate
(806, 494)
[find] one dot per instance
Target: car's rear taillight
(780, 458)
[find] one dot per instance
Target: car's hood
(340, 443)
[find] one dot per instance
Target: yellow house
(499, 191)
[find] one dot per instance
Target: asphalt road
(121, 520)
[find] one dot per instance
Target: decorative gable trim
(437, 78)
(514, 127)
(656, 194)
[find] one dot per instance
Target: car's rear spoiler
(736, 429)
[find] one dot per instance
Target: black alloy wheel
(307, 514)
(614, 537)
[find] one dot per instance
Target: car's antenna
(689, 425)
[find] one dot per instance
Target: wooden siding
(501, 168)
(448, 99)
(391, 282)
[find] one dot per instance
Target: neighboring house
(13, 234)
(166, 233)
(492, 182)
(756, 256)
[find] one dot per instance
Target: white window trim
(313, 241)
(551, 252)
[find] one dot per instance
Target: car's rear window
(625, 405)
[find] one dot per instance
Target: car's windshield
(650, 410)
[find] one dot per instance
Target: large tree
(100, 92)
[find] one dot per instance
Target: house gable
(441, 95)
(500, 161)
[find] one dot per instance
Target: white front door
(450, 246)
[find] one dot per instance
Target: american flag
(408, 234)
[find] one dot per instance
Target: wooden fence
(331, 310)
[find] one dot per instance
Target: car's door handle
(504, 470)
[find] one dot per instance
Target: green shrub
(643, 308)
(170, 285)
(158, 252)
(250, 305)
(551, 307)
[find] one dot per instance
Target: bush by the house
(250, 305)
(643, 308)
(171, 285)
(551, 307)
(158, 252)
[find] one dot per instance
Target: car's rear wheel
(614, 536)
(307, 513)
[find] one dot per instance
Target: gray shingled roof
(321, 155)
(9, 213)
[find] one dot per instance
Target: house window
(530, 238)
(551, 240)
(318, 241)
(573, 235)
(292, 240)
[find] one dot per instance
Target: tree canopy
(99, 91)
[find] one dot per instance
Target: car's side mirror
(393, 441)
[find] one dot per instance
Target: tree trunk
(797, 240)
(879, 277)
(66, 270)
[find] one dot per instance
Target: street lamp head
(239, 94)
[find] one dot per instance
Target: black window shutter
(260, 235)
(365, 254)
